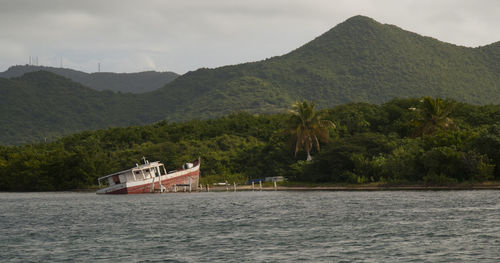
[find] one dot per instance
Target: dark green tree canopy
(307, 128)
(433, 115)
(372, 143)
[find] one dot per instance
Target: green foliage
(434, 179)
(242, 146)
(385, 152)
(41, 106)
(488, 144)
(359, 60)
(433, 115)
(402, 163)
(233, 148)
(346, 154)
(307, 128)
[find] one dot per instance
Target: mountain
(42, 105)
(359, 60)
(139, 82)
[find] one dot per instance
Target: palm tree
(433, 116)
(307, 128)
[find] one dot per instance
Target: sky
(184, 35)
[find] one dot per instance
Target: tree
(307, 128)
(433, 115)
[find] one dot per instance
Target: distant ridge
(42, 105)
(124, 82)
(359, 60)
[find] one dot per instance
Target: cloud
(182, 35)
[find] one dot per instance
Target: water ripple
(411, 226)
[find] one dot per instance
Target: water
(402, 226)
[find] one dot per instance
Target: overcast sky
(183, 35)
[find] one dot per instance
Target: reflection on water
(443, 226)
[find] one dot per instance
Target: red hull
(187, 177)
(168, 183)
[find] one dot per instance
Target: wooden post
(152, 185)
(234, 184)
(227, 187)
(260, 185)
(191, 181)
(275, 186)
(208, 188)
(253, 185)
(175, 188)
(159, 179)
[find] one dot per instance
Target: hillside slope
(42, 105)
(359, 60)
(139, 82)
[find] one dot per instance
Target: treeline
(377, 144)
(371, 143)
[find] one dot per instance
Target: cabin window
(116, 179)
(146, 173)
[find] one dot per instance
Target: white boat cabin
(139, 173)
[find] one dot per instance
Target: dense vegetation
(371, 143)
(139, 82)
(41, 106)
(307, 128)
(359, 60)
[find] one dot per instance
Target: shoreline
(354, 188)
(305, 188)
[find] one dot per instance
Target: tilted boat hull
(187, 179)
(167, 183)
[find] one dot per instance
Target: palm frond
(307, 127)
(433, 115)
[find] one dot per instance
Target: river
(371, 226)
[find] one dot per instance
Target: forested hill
(124, 82)
(358, 60)
(42, 105)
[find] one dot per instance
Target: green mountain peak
(359, 60)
